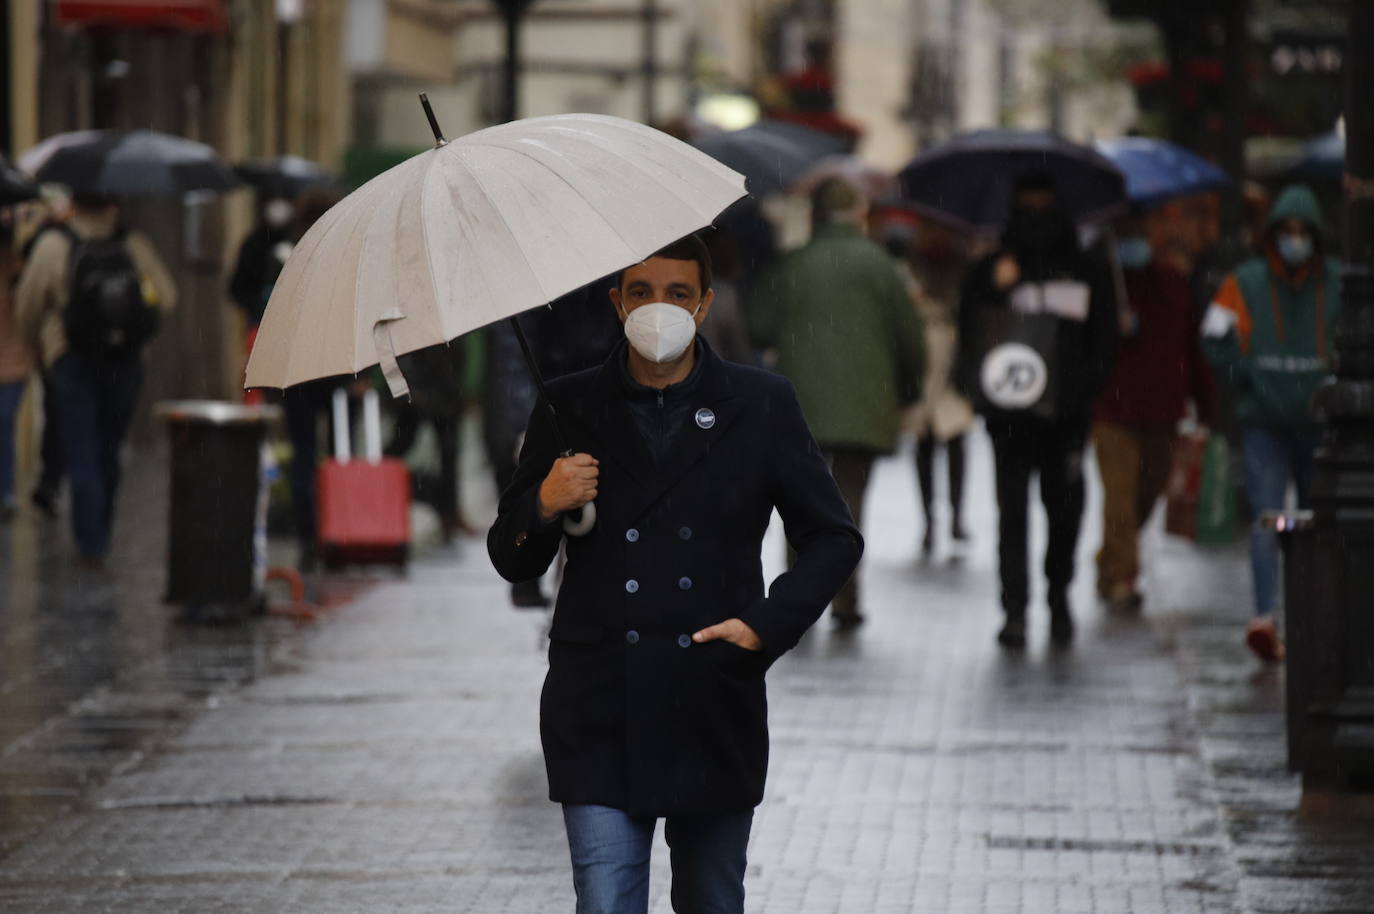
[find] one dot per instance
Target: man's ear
(615, 300)
(706, 300)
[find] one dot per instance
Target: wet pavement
(386, 757)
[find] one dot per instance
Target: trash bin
(217, 542)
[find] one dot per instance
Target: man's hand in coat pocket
(736, 631)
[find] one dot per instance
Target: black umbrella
(771, 155)
(140, 163)
(969, 178)
(283, 176)
(15, 186)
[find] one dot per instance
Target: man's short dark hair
(689, 248)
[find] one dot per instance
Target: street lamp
(512, 11)
(1330, 563)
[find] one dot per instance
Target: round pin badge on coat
(705, 418)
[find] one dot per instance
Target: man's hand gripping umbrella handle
(584, 522)
(570, 490)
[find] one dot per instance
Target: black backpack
(107, 316)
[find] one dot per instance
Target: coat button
(632, 535)
(632, 637)
(521, 537)
(684, 640)
(632, 586)
(684, 533)
(684, 583)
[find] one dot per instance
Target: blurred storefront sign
(182, 15)
(1294, 53)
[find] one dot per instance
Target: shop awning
(181, 15)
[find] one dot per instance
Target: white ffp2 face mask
(660, 331)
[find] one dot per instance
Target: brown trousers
(851, 468)
(1134, 463)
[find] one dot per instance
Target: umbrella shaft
(539, 383)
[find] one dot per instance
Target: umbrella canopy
(35, 157)
(1157, 170)
(15, 187)
(969, 178)
(770, 154)
(482, 228)
(283, 176)
(872, 180)
(137, 163)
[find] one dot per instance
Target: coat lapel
(606, 417)
(713, 408)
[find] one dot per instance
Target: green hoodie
(1271, 329)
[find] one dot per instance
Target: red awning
(182, 15)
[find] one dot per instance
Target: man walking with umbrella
(1038, 329)
(88, 300)
(654, 703)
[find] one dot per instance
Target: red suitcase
(363, 503)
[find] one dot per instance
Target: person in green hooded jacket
(847, 335)
(1270, 333)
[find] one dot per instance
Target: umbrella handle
(584, 523)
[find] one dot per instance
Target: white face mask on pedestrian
(660, 331)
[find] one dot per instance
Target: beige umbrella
(476, 230)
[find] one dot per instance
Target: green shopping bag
(1216, 504)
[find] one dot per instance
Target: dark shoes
(1013, 633)
(1121, 597)
(528, 595)
(1061, 623)
(846, 621)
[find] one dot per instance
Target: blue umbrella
(968, 179)
(1157, 170)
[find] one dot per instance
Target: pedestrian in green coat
(1271, 334)
(847, 334)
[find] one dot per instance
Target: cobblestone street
(387, 757)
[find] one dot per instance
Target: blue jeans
(1271, 460)
(10, 394)
(95, 403)
(610, 858)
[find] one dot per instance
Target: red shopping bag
(1185, 485)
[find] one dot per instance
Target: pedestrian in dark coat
(1039, 294)
(654, 704)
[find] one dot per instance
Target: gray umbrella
(771, 155)
(968, 179)
(138, 163)
(15, 187)
(283, 176)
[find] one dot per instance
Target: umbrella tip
(433, 122)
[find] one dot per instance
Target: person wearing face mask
(1158, 367)
(838, 317)
(261, 257)
(654, 703)
(1037, 334)
(1270, 331)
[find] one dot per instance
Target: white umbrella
(473, 231)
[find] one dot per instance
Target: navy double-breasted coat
(634, 714)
